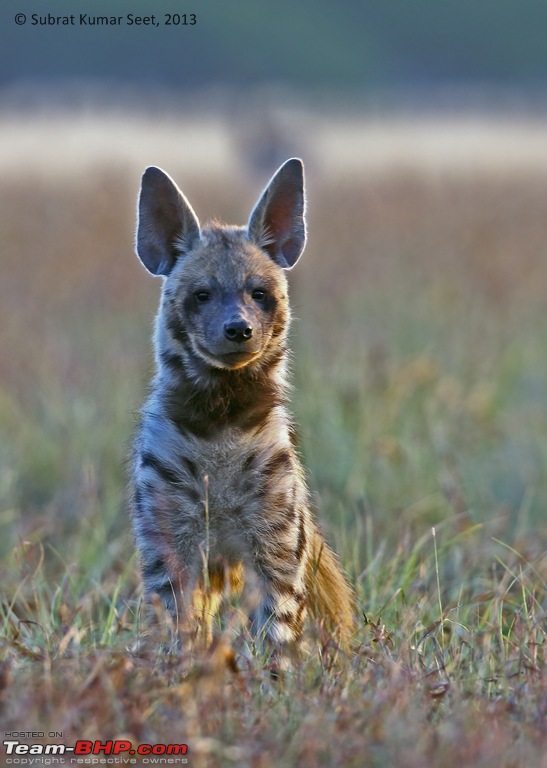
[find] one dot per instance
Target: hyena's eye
(258, 294)
(202, 296)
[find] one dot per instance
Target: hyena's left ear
(166, 226)
(277, 222)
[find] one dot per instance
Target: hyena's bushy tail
(330, 597)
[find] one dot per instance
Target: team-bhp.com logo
(119, 752)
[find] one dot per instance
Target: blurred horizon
(354, 58)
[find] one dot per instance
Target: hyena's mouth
(229, 360)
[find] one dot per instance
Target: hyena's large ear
(166, 226)
(277, 222)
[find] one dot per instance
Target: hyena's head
(224, 299)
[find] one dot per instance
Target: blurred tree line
(346, 46)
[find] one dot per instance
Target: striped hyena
(219, 494)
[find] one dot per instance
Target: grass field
(420, 372)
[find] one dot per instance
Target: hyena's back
(217, 483)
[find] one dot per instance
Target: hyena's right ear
(166, 225)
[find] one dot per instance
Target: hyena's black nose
(238, 330)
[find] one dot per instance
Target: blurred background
(420, 343)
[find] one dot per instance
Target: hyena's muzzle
(233, 333)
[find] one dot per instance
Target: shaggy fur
(219, 495)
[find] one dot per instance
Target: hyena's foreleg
(277, 618)
(166, 575)
(169, 544)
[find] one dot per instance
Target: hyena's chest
(227, 484)
(229, 488)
